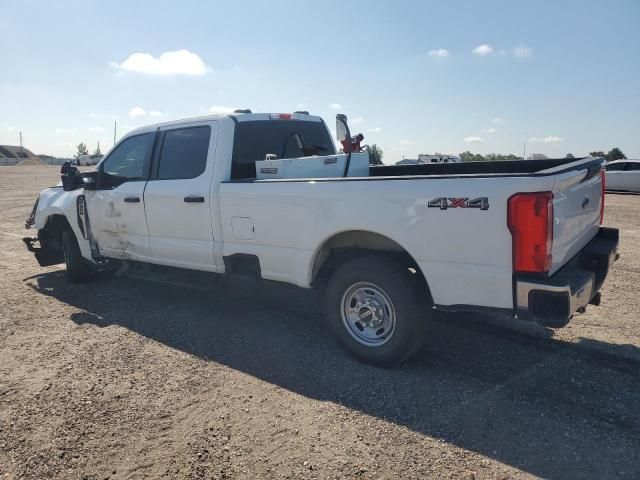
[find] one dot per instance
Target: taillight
(603, 186)
(530, 220)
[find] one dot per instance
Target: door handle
(194, 199)
(132, 199)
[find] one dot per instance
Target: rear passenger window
(184, 153)
(615, 167)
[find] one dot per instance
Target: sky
(412, 76)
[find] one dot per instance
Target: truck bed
(470, 168)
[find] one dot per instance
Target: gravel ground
(126, 378)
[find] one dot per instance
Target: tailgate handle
(194, 199)
(132, 199)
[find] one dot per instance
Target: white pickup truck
(516, 237)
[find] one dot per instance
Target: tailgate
(576, 211)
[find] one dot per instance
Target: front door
(178, 199)
(116, 208)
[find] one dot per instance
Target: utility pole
(21, 149)
(524, 151)
(115, 127)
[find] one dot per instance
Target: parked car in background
(623, 175)
(89, 159)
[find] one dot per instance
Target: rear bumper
(552, 301)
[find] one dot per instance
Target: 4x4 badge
(444, 203)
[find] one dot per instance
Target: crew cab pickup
(517, 237)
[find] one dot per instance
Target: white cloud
(489, 130)
(137, 112)
(10, 128)
(355, 120)
(219, 110)
(64, 144)
(497, 121)
(551, 139)
(483, 50)
(474, 140)
(155, 113)
(522, 51)
(440, 52)
(335, 106)
(404, 141)
(65, 130)
(376, 129)
(300, 106)
(179, 62)
(94, 115)
(96, 129)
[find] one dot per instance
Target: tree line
(613, 154)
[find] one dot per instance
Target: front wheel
(78, 269)
(374, 309)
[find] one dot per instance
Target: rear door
(615, 175)
(631, 177)
(177, 197)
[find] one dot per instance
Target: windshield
(283, 138)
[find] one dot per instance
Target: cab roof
(235, 116)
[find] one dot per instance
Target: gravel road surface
(132, 378)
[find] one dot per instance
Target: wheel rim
(368, 314)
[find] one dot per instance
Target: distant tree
(82, 150)
(499, 157)
(597, 154)
(478, 158)
(569, 155)
(375, 154)
(466, 156)
(615, 154)
(98, 152)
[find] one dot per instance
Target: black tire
(78, 269)
(377, 278)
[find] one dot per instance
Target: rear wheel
(78, 269)
(375, 310)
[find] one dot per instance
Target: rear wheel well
(350, 245)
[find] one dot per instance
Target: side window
(616, 167)
(184, 153)
(130, 158)
(633, 166)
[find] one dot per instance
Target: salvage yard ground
(125, 378)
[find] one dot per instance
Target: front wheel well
(51, 234)
(347, 246)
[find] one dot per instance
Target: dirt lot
(124, 378)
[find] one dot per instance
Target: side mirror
(342, 129)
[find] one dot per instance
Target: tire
(78, 269)
(377, 311)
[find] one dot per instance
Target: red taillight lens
(530, 220)
(603, 178)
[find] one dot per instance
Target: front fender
(56, 201)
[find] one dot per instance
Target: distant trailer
(438, 158)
